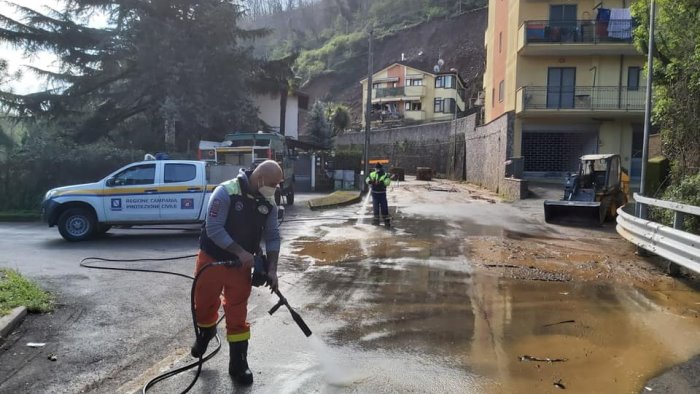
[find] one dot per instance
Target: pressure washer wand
(300, 322)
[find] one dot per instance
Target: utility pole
(368, 109)
(642, 210)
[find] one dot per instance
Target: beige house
(570, 73)
(270, 111)
(403, 92)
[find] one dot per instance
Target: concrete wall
(435, 145)
(616, 137)
(655, 145)
(488, 148)
(514, 189)
(458, 150)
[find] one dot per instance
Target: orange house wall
(499, 58)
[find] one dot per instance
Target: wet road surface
(421, 307)
(406, 310)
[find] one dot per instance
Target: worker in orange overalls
(241, 213)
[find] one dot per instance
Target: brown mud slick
(605, 338)
(491, 294)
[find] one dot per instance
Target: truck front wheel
(290, 196)
(77, 224)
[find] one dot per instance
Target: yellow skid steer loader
(593, 194)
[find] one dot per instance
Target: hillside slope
(458, 40)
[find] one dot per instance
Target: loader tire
(603, 211)
(619, 200)
(290, 196)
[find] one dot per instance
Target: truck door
(183, 191)
(131, 194)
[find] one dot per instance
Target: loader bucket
(574, 212)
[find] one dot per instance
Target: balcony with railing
(580, 100)
(576, 37)
(402, 92)
(415, 115)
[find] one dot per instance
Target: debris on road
(561, 322)
(52, 357)
(543, 360)
(558, 384)
(36, 344)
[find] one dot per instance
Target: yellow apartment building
(570, 73)
(400, 92)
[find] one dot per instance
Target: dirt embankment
(459, 41)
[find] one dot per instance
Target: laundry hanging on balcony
(602, 20)
(620, 24)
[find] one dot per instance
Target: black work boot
(202, 341)
(387, 222)
(238, 363)
(375, 221)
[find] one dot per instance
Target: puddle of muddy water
(408, 298)
(613, 338)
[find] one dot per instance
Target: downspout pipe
(619, 83)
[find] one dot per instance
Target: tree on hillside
(676, 78)
(339, 118)
(317, 126)
(162, 68)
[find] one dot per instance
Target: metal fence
(673, 244)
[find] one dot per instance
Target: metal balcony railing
(579, 31)
(389, 92)
(401, 91)
(598, 98)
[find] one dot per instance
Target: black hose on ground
(282, 301)
(202, 359)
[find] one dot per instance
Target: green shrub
(687, 191)
(348, 160)
(337, 50)
(436, 12)
(45, 162)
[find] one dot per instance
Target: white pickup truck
(143, 193)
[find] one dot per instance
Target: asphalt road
(392, 310)
(107, 325)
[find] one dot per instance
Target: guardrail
(673, 244)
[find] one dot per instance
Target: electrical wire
(201, 360)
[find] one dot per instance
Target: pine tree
(317, 127)
(161, 69)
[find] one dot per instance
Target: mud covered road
(493, 289)
(463, 294)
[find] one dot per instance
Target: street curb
(335, 199)
(10, 322)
